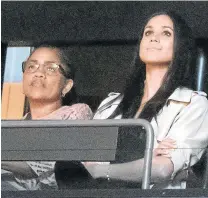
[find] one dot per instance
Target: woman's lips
(153, 48)
(37, 83)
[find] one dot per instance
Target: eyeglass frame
(60, 67)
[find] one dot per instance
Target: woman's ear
(69, 84)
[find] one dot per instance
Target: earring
(63, 94)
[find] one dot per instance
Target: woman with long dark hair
(160, 91)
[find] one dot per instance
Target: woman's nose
(40, 72)
(155, 38)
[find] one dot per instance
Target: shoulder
(198, 98)
(188, 101)
(111, 99)
(187, 110)
(188, 96)
(198, 102)
(77, 111)
(79, 106)
(108, 106)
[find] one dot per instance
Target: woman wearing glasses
(47, 78)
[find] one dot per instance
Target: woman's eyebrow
(149, 26)
(36, 61)
(31, 60)
(50, 61)
(168, 27)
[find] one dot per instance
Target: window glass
(13, 98)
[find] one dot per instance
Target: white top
(184, 118)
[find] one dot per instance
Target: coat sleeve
(190, 130)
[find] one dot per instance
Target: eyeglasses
(50, 68)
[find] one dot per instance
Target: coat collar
(184, 94)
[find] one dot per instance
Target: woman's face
(41, 85)
(156, 47)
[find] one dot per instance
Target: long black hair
(179, 74)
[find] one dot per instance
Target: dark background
(101, 36)
(91, 21)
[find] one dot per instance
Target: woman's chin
(37, 97)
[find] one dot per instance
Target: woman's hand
(165, 147)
